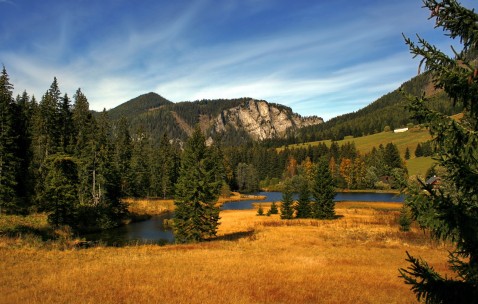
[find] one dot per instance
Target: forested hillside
(138, 105)
(229, 121)
(389, 111)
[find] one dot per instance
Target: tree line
(55, 151)
(55, 156)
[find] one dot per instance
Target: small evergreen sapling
(274, 209)
(260, 210)
(287, 208)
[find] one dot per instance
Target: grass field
(365, 144)
(403, 140)
(353, 259)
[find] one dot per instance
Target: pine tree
(418, 150)
(451, 210)
(274, 209)
(287, 208)
(323, 192)
(163, 168)
(198, 187)
(9, 162)
(24, 114)
(407, 153)
(260, 210)
(66, 126)
(392, 157)
(303, 202)
(85, 147)
(123, 152)
(140, 164)
(60, 196)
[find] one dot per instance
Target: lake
(152, 231)
(340, 197)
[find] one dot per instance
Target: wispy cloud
(324, 59)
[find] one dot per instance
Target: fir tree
(274, 209)
(407, 153)
(303, 203)
(9, 162)
(60, 196)
(260, 210)
(198, 187)
(451, 210)
(24, 127)
(123, 152)
(323, 192)
(287, 208)
(418, 150)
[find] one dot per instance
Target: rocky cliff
(261, 120)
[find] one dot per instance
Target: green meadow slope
(410, 139)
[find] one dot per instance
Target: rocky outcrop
(262, 120)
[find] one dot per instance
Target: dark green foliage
(141, 104)
(323, 192)
(388, 110)
(287, 207)
(197, 189)
(260, 210)
(140, 166)
(247, 178)
(303, 202)
(274, 209)
(449, 210)
(407, 154)
(123, 153)
(60, 196)
(418, 150)
(164, 168)
(9, 162)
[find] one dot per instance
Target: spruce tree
(198, 187)
(407, 153)
(85, 147)
(274, 209)
(140, 164)
(287, 207)
(450, 211)
(60, 196)
(323, 192)
(9, 162)
(303, 202)
(123, 152)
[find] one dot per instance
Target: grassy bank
(353, 259)
(148, 207)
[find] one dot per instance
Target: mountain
(231, 121)
(389, 110)
(262, 120)
(138, 105)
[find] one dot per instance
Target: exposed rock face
(262, 120)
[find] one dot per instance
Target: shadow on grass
(21, 230)
(236, 236)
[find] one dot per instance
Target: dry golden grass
(149, 206)
(353, 259)
(155, 206)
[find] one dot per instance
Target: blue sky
(322, 58)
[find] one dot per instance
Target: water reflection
(152, 231)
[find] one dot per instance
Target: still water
(152, 231)
(340, 197)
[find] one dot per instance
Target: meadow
(404, 140)
(353, 259)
